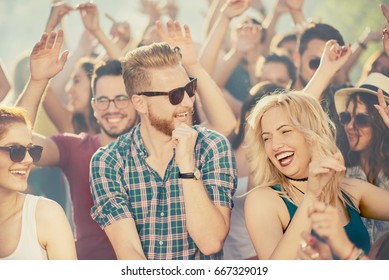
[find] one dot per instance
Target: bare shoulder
(263, 197)
(266, 217)
(48, 210)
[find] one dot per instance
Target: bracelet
(362, 45)
(358, 255)
(351, 252)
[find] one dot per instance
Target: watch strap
(186, 175)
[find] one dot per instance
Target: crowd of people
(252, 145)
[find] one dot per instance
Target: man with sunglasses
(72, 153)
(164, 190)
(311, 75)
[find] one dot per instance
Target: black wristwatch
(193, 175)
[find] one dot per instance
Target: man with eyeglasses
(164, 190)
(72, 152)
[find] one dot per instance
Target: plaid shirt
(124, 186)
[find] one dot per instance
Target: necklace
(298, 189)
(297, 180)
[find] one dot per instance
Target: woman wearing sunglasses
(32, 227)
(363, 117)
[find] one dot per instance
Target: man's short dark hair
(320, 31)
(105, 68)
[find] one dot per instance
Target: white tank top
(28, 247)
(238, 244)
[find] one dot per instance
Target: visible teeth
(284, 155)
(19, 172)
(182, 115)
(113, 120)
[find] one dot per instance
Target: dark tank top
(355, 229)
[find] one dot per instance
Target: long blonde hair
(307, 116)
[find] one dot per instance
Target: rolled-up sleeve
(110, 197)
(219, 173)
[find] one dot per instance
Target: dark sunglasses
(176, 95)
(120, 101)
(360, 120)
(314, 63)
(18, 153)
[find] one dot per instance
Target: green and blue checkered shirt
(123, 186)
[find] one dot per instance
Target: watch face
(197, 174)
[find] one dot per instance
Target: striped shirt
(123, 186)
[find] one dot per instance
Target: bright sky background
(22, 22)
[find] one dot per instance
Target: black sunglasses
(120, 101)
(314, 63)
(360, 120)
(17, 153)
(176, 95)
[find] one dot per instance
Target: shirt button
(160, 243)
(162, 214)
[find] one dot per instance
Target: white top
(238, 244)
(28, 247)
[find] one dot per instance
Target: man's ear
(94, 110)
(139, 103)
(296, 59)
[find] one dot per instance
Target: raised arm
(244, 39)
(296, 10)
(220, 117)
(57, 12)
(90, 18)
(270, 22)
(45, 63)
(120, 33)
(5, 85)
(212, 46)
(54, 102)
(357, 48)
(333, 58)
(385, 33)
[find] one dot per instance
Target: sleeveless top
(238, 245)
(28, 247)
(355, 229)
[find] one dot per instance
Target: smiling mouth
(111, 119)
(285, 158)
(182, 115)
(19, 172)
